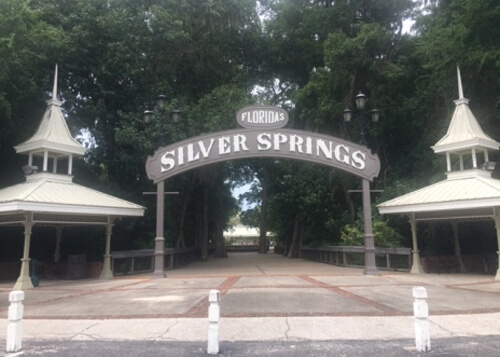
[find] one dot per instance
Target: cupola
(52, 148)
(465, 144)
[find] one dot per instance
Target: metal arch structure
(263, 135)
(251, 143)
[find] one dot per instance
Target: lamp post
(369, 249)
(159, 252)
(360, 101)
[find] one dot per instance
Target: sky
(237, 191)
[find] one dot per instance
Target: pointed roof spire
(54, 90)
(53, 133)
(460, 90)
(54, 100)
(464, 131)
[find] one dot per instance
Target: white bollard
(421, 312)
(213, 322)
(15, 327)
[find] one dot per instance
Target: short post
(15, 328)
(213, 322)
(421, 312)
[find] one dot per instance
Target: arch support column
(370, 263)
(24, 280)
(106, 272)
(159, 252)
(416, 267)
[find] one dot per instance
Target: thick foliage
(212, 57)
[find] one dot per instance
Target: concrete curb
(258, 328)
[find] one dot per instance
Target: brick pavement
(270, 293)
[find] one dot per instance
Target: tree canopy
(210, 58)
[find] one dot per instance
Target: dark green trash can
(77, 266)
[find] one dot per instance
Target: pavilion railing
(140, 261)
(398, 259)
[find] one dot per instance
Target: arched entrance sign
(249, 143)
(263, 135)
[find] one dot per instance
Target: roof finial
(54, 90)
(460, 90)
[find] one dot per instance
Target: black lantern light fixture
(176, 115)
(161, 103)
(361, 101)
(347, 115)
(148, 115)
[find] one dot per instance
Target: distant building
(243, 235)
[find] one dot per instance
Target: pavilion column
(448, 162)
(57, 251)
(474, 158)
(24, 280)
(416, 267)
(106, 272)
(497, 226)
(458, 253)
(70, 164)
(45, 161)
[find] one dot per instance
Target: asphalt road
(487, 346)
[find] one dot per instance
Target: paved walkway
(263, 298)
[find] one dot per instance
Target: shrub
(385, 236)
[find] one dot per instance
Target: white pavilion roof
(57, 196)
(457, 193)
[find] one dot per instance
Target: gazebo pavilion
(469, 191)
(49, 196)
(243, 235)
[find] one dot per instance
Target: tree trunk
(298, 232)
(350, 204)
(288, 244)
(204, 233)
(263, 243)
(220, 246)
(199, 224)
(180, 239)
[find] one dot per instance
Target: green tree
(309, 57)
(28, 48)
(385, 236)
(115, 56)
(339, 48)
